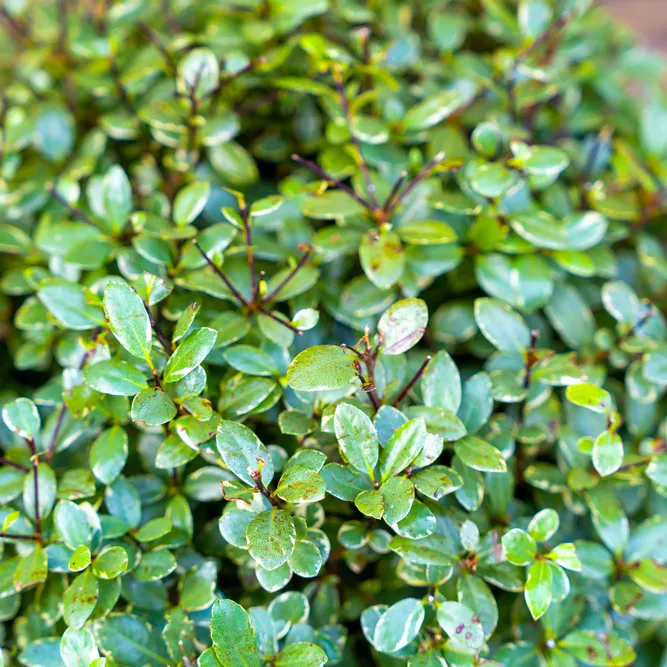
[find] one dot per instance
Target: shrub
(333, 335)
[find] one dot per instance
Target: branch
(254, 283)
(164, 341)
(370, 186)
(12, 464)
(389, 201)
(272, 295)
(409, 385)
(290, 326)
(220, 273)
(328, 177)
(63, 407)
(257, 478)
(11, 536)
(157, 43)
(73, 211)
(35, 485)
(115, 75)
(424, 173)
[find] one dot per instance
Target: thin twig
(389, 201)
(62, 28)
(254, 283)
(272, 295)
(289, 325)
(12, 464)
(115, 75)
(424, 173)
(12, 536)
(328, 177)
(352, 349)
(546, 36)
(63, 408)
(56, 431)
(157, 43)
(16, 28)
(73, 211)
(370, 186)
(221, 274)
(257, 478)
(35, 485)
(409, 385)
(166, 343)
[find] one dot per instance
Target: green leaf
(116, 194)
(128, 319)
(357, 438)
(607, 453)
(398, 494)
(198, 73)
(589, 396)
(80, 599)
(331, 205)
(370, 503)
(22, 418)
(77, 647)
(306, 559)
(344, 482)
(655, 365)
(189, 354)
(566, 556)
(153, 529)
(80, 559)
(320, 368)
(108, 454)
(538, 588)
(73, 524)
(426, 232)
(432, 550)
(399, 625)
(432, 110)
(301, 654)
(602, 649)
(115, 377)
(234, 639)
(31, 570)
(110, 562)
(55, 132)
(544, 525)
(480, 455)
(190, 202)
(382, 258)
(403, 446)
(461, 625)
(250, 360)
(70, 305)
(243, 452)
(130, 640)
(402, 326)
(271, 538)
(46, 491)
(153, 406)
(184, 321)
(441, 383)
(41, 653)
(492, 179)
(301, 485)
(520, 547)
(501, 326)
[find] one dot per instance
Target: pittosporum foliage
(332, 333)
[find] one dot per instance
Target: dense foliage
(331, 333)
